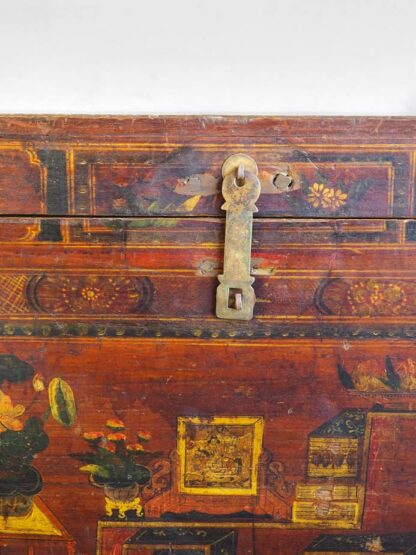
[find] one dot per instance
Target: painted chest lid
(171, 166)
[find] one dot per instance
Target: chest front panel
(248, 437)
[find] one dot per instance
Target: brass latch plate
(240, 189)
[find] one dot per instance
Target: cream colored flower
(38, 382)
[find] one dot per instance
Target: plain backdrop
(208, 56)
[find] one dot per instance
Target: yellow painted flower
(117, 436)
(135, 447)
(115, 424)
(38, 382)
(144, 436)
(90, 294)
(329, 198)
(9, 414)
(93, 437)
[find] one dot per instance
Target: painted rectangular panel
(23, 180)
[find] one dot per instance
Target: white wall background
(208, 56)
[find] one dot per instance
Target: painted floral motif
(38, 382)
(90, 294)
(323, 196)
(366, 298)
(9, 414)
(369, 298)
(372, 376)
(112, 461)
(23, 438)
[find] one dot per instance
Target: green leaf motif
(345, 378)
(392, 377)
(62, 402)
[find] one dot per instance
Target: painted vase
(15, 505)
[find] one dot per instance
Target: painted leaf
(62, 402)
(14, 370)
(345, 378)
(189, 204)
(95, 469)
(392, 376)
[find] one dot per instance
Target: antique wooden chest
(169, 362)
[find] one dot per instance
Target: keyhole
(235, 298)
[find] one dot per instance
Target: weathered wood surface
(108, 274)
(157, 277)
(351, 167)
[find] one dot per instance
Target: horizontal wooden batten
(157, 277)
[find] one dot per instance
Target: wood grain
(111, 241)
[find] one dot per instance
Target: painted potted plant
(117, 466)
(21, 439)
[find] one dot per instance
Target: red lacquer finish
(295, 424)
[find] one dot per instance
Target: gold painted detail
(327, 505)
(36, 522)
(339, 492)
(369, 298)
(123, 506)
(12, 294)
(219, 455)
(333, 457)
(366, 298)
(89, 294)
(329, 198)
(326, 512)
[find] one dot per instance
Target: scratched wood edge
(273, 129)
